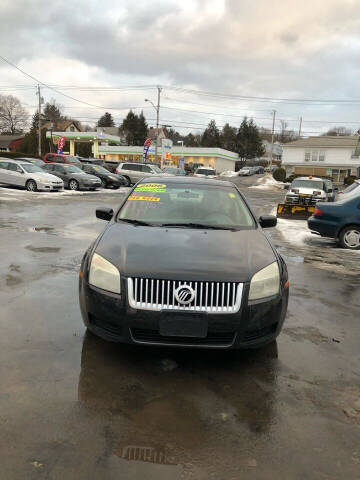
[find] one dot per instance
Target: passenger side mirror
(104, 213)
(267, 221)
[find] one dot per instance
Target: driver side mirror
(267, 221)
(104, 213)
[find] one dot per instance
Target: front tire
(73, 185)
(31, 186)
(128, 182)
(350, 237)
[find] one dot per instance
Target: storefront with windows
(217, 158)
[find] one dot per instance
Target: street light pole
(157, 109)
(39, 122)
(272, 140)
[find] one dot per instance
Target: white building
(336, 157)
(218, 158)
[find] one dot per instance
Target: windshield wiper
(136, 222)
(198, 225)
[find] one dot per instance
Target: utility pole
(300, 126)
(157, 124)
(272, 140)
(39, 123)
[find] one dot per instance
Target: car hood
(184, 253)
(44, 176)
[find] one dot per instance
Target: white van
(25, 174)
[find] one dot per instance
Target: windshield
(315, 184)
(204, 171)
(31, 168)
(156, 169)
(99, 169)
(71, 159)
(158, 203)
(73, 169)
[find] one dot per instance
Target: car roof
(312, 178)
(11, 160)
(187, 180)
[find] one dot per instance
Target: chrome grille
(211, 297)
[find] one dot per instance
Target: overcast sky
(262, 48)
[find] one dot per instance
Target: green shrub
(279, 174)
(349, 180)
(17, 155)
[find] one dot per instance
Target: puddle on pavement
(43, 249)
(42, 229)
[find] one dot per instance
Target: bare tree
(285, 134)
(338, 132)
(13, 116)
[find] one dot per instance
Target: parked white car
(25, 174)
(135, 171)
(245, 171)
(349, 191)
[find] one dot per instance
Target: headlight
(265, 283)
(104, 274)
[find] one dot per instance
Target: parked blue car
(340, 220)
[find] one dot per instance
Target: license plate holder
(182, 325)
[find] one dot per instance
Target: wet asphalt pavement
(73, 406)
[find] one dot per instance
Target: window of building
(321, 155)
(307, 156)
(315, 155)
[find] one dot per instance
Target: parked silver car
(74, 178)
(27, 175)
(133, 172)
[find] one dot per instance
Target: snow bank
(294, 231)
(268, 182)
(229, 173)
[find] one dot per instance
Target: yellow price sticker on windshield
(144, 199)
(232, 195)
(151, 187)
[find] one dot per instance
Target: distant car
(310, 190)
(135, 171)
(74, 178)
(205, 172)
(175, 171)
(108, 179)
(35, 161)
(61, 158)
(24, 174)
(245, 172)
(340, 220)
(351, 190)
(258, 169)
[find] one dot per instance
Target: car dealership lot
(74, 406)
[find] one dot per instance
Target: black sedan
(108, 179)
(184, 262)
(339, 220)
(74, 178)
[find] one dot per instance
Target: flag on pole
(146, 148)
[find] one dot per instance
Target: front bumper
(50, 187)
(89, 185)
(110, 316)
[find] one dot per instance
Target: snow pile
(268, 182)
(294, 231)
(229, 173)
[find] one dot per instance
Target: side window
(59, 159)
(49, 167)
(12, 167)
(146, 168)
(50, 158)
(58, 168)
(4, 165)
(87, 168)
(137, 168)
(127, 166)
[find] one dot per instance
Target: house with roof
(10, 143)
(326, 156)
(62, 126)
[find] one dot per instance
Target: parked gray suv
(135, 171)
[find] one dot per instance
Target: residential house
(10, 143)
(333, 156)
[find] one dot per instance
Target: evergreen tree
(129, 128)
(248, 141)
(52, 112)
(141, 130)
(106, 120)
(190, 140)
(211, 136)
(228, 137)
